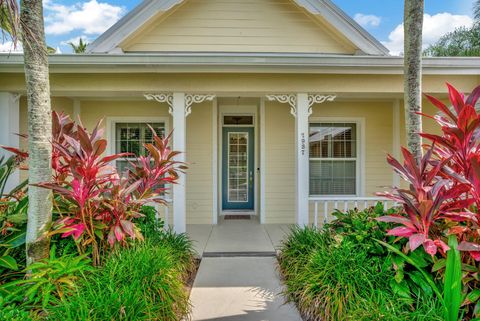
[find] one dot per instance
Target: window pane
(333, 140)
(238, 120)
(130, 137)
(332, 177)
(331, 147)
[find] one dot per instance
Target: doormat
(237, 217)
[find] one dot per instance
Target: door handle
(251, 178)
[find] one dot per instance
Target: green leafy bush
(341, 273)
(144, 282)
(13, 219)
(14, 313)
(47, 280)
(149, 223)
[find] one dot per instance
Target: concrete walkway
(239, 288)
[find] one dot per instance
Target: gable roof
(109, 41)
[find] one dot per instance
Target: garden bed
(341, 273)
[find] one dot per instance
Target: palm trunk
(39, 129)
(413, 25)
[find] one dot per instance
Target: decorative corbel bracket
(162, 98)
(291, 99)
(190, 99)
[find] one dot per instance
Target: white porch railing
(326, 205)
(166, 210)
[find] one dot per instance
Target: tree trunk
(413, 25)
(39, 129)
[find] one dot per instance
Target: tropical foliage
(13, 216)
(340, 272)
(148, 270)
(101, 218)
(94, 203)
(441, 202)
(80, 47)
(463, 41)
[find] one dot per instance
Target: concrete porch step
(240, 254)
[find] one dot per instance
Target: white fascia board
(346, 25)
(108, 41)
(241, 63)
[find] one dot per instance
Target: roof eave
(241, 62)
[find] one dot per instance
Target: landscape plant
(142, 282)
(94, 203)
(441, 201)
(13, 216)
(340, 272)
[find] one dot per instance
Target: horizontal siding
(239, 26)
(199, 160)
(280, 164)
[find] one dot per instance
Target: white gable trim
(108, 42)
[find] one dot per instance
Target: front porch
(278, 182)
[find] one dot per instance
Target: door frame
(244, 110)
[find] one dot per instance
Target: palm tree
(29, 26)
(413, 25)
(81, 47)
(476, 11)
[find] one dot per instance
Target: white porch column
(180, 144)
(9, 127)
(301, 108)
(180, 106)
(303, 111)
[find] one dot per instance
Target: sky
(68, 20)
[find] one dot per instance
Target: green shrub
(149, 224)
(144, 282)
(14, 313)
(48, 280)
(341, 273)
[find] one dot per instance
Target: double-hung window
(333, 158)
(130, 137)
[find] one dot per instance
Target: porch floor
(237, 236)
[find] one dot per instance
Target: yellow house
(284, 109)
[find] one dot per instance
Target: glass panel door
(238, 162)
(237, 167)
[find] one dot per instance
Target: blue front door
(238, 168)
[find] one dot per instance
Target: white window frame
(360, 148)
(112, 121)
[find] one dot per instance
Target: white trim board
(249, 110)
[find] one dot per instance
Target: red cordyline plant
(444, 189)
(97, 205)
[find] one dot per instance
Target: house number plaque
(302, 144)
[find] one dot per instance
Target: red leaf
(430, 247)
(119, 235)
(456, 98)
(401, 231)
(468, 246)
(75, 230)
(415, 241)
(128, 227)
(475, 255)
(16, 151)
